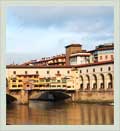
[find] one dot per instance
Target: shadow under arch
(87, 80)
(7, 84)
(94, 85)
(109, 78)
(81, 82)
(102, 82)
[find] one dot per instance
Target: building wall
(91, 78)
(41, 71)
(96, 75)
(77, 60)
(105, 57)
(71, 50)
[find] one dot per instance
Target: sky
(33, 32)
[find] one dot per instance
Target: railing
(40, 88)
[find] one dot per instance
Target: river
(60, 113)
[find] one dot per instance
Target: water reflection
(49, 113)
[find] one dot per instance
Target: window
(36, 72)
(58, 80)
(58, 72)
(68, 72)
(73, 59)
(101, 69)
(106, 57)
(94, 86)
(87, 70)
(19, 85)
(80, 71)
(14, 85)
(20, 80)
(63, 80)
(48, 72)
(53, 80)
(25, 72)
(110, 85)
(88, 86)
(53, 85)
(48, 80)
(35, 76)
(93, 69)
(14, 72)
(109, 68)
(81, 86)
(19, 76)
(100, 57)
(111, 57)
(14, 80)
(41, 80)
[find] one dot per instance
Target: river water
(60, 113)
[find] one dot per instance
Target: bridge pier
(24, 97)
(75, 96)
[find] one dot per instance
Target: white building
(79, 58)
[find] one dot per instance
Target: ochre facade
(92, 71)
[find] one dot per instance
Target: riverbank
(105, 102)
(93, 97)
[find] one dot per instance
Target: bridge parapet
(43, 88)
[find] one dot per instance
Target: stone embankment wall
(93, 97)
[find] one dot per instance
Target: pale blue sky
(42, 31)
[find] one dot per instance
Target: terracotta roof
(56, 57)
(37, 66)
(44, 59)
(27, 75)
(80, 54)
(62, 66)
(95, 64)
(103, 47)
(74, 45)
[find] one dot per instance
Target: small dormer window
(14, 72)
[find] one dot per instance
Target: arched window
(102, 82)
(94, 82)
(81, 83)
(87, 80)
(109, 68)
(110, 82)
(36, 72)
(93, 69)
(14, 72)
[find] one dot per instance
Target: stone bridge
(23, 96)
(88, 82)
